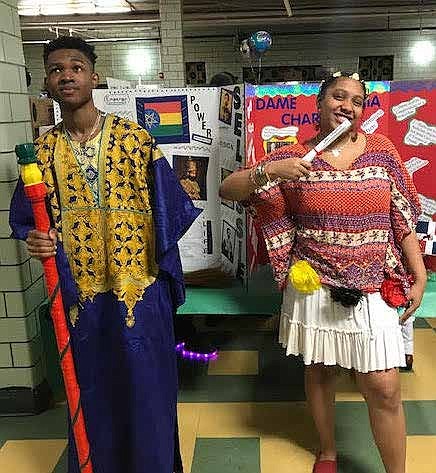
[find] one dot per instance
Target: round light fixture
(422, 52)
(139, 61)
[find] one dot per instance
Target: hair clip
(355, 76)
(337, 74)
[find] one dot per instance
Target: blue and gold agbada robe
(121, 281)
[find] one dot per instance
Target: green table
(428, 305)
(261, 297)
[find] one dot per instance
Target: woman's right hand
(42, 245)
(290, 169)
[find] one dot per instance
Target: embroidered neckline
(110, 243)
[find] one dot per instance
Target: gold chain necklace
(93, 129)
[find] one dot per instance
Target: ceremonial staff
(36, 191)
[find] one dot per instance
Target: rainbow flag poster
(166, 118)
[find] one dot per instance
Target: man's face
(70, 77)
(191, 170)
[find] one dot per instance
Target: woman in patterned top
(341, 230)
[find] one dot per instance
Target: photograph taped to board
(208, 237)
(226, 106)
(228, 241)
(192, 173)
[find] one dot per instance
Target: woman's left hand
(414, 298)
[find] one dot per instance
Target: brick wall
(21, 284)
(173, 65)
(340, 50)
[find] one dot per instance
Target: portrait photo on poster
(272, 145)
(228, 203)
(228, 241)
(226, 106)
(192, 173)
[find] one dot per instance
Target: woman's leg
(320, 394)
(382, 392)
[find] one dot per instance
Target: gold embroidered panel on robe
(110, 243)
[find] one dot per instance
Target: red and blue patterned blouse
(348, 224)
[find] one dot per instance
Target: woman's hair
(325, 84)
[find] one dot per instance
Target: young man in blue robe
(117, 212)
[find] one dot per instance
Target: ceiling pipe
(66, 20)
(98, 40)
(98, 26)
(198, 20)
(220, 37)
(288, 7)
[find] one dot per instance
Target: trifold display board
(203, 133)
(404, 111)
(278, 115)
(200, 131)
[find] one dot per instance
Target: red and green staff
(36, 191)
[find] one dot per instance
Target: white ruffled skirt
(366, 337)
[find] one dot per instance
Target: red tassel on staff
(35, 190)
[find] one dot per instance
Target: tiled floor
(245, 413)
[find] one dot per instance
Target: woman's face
(343, 99)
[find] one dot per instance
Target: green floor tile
(241, 341)
(233, 455)
(356, 447)
(421, 323)
(51, 424)
(280, 378)
(62, 465)
(232, 388)
(420, 417)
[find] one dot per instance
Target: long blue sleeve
(173, 214)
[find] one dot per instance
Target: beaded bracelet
(252, 179)
(258, 176)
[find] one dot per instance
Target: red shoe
(325, 466)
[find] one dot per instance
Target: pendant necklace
(338, 149)
(83, 141)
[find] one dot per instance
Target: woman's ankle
(327, 454)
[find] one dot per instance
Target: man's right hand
(42, 245)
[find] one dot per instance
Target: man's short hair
(70, 42)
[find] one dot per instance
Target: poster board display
(201, 133)
(404, 111)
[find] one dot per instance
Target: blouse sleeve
(405, 205)
(273, 218)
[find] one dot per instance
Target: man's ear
(95, 79)
(46, 87)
